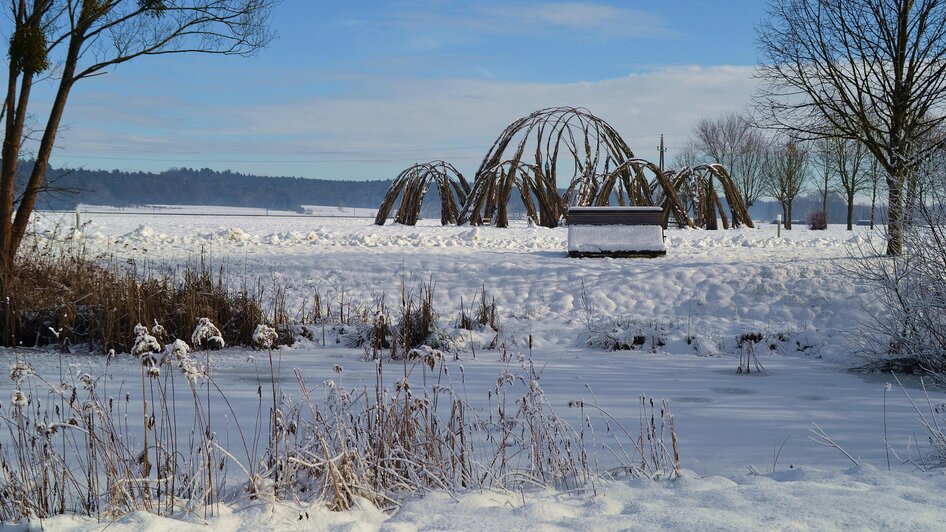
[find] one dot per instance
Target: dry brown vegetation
(58, 296)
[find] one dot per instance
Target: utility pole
(662, 150)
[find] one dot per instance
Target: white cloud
(393, 123)
(428, 26)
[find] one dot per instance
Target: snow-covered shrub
(417, 326)
(621, 334)
(207, 336)
(907, 330)
(265, 337)
(417, 323)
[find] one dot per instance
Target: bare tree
(733, 142)
(689, 155)
(927, 183)
(749, 166)
(83, 39)
(872, 70)
(786, 171)
(823, 155)
(873, 177)
(848, 162)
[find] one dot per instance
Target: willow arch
(412, 185)
(527, 159)
(528, 156)
(698, 184)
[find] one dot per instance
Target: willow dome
(559, 157)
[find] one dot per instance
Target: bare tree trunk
(894, 217)
(850, 212)
(910, 200)
(15, 112)
(38, 174)
(788, 215)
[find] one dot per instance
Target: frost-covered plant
(481, 314)
(19, 399)
(907, 330)
(19, 370)
(179, 351)
(614, 334)
(265, 337)
(158, 331)
(427, 355)
(144, 342)
(746, 343)
(151, 365)
(933, 421)
(207, 336)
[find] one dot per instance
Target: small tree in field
(732, 141)
(848, 160)
(79, 39)
(786, 171)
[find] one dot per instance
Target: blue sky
(362, 89)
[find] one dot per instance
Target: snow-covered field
(690, 306)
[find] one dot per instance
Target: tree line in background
(861, 84)
(868, 71)
(67, 188)
(785, 168)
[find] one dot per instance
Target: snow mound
(235, 234)
(795, 499)
(142, 233)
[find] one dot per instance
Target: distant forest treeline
(191, 186)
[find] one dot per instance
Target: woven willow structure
(697, 186)
(559, 144)
(414, 184)
(565, 145)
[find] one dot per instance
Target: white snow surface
(711, 287)
(799, 499)
(603, 238)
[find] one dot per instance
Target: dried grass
(58, 296)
